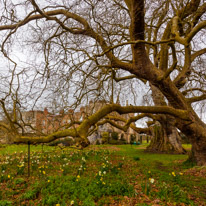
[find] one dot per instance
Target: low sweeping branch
(83, 129)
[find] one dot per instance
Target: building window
(44, 122)
(29, 118)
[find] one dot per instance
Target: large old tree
(85, 42)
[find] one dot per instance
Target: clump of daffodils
(173, 174)
(151, 180)
(78, 177)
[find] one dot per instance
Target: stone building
(46, 122)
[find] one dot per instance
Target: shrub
(132, 138)
(98, 142)
(114, 136)
(105, 137)
(117, 142)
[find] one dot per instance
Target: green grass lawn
(98, 175)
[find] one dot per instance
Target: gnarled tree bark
(166, 138)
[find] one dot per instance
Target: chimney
(70, 111)
(45, 111)
(127, 102)
(61, 111)
(82, 109)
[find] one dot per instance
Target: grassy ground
(98, 175)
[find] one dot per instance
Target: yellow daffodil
(173, 173)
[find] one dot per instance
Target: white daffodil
(151, 180)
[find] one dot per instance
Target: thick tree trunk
(197, 134)
(194, 128)
(165, 141)
(166, 138)
(197, 155)
(175, 140)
